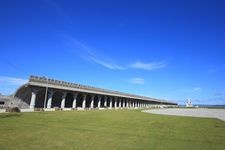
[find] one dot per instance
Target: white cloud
(12, 81)
(108, 65)
(196, 89)
(94, 56)
(91, 55)
(193, 90)
(8, 85)
(137, 81)
(148, 66)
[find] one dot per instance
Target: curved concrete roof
(57, 84)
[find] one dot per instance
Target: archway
(96, 101)
(88, 101)
(108, 102)
(113, 102)
(69, 100)
(40, 98)
(56, 99)
(79, 100)
(102, 101)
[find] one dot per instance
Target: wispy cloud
(149, 66)
(94, 56)
(108, 65)
(12, 81)
(193, 90)
(91, 55)
(137, 81)
(9, 84)
(212, 70)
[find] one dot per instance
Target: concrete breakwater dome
(41, 92)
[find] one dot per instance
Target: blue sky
(172, 50)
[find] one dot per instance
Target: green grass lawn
(109, 129)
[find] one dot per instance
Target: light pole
(46, 93)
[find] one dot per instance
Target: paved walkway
(197, 112)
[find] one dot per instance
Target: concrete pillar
(63, 100)
(84, 101)
(99, 101)
(49, 103)
(92, 101)
(130, 103)
(105, 101)
(115, 102)
(110, 102)
(33, 99)
(120, 103)
(75, 100)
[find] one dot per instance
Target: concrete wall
(5, 100)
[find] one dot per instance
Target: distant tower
(189, 103)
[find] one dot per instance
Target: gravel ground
(197, 112)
